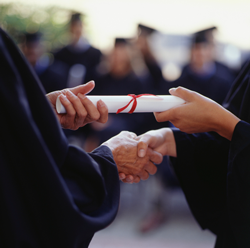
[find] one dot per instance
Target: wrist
(226, 123)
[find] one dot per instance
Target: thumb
(84, 88)
(145, 141)
(185, 94)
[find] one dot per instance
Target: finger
(144, 175)
(129, 178)
(132, 135)
(78, 107)
(103, 110)
(70, 116)
(91, 109)
(143, 144)
(164, 116)
(122, 176)
(154, 156)
(136, 179)
(84, 88)
(150, 168)
(183, 93)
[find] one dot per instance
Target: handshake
(136, 156)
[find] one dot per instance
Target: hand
(161, 141)
(199, 114)
(124, 149)
(80, 110)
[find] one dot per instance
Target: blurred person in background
(117, 77)
(81, 58)
(203, 74)
(164, 178)
(79, 55)
(143, 44)
(52, 73)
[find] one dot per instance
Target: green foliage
(52, 22)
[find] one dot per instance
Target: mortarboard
(145, 30)
(76, 17)
(32, 37)
(122, 41)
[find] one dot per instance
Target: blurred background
(135, 46)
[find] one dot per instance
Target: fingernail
(63, 97)
(81, 96)
(69, 93)
(171, 90)
(101, 103)
(91, 82)
(141, 153)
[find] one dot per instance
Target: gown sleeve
(52, 194)
(201, 168)
(238, 180)
(214, 174)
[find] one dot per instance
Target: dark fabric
(52, 194)
(54, 77)
(214, 85)
(214, 173)
(89, 58)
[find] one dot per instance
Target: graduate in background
(79, 55)
(81, 59)
(54, 194)
(118, 78)
(142, 43)
(51, 72)
(203, 74)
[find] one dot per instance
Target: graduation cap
(145, 30)
(207, 30)
(76, 17)
(122, 41)
(204, 35)
(32, 37)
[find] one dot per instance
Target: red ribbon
(134, 100)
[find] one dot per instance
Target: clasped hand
(131, 167)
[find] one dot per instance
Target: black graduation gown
(89, 58)
(52, 194)
(215, 173)
(54, 77)
(215, 86)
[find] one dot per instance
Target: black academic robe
(215, 173)
(54, 77)
(89, 58)
(215, 85)
(52, 194)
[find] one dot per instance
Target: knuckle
(158, 117)
(96, 116)
(137, 170)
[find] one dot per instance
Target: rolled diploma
(144, 103)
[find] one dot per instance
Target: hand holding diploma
(199, 114)
(79, 109)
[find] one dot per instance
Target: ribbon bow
(134, 100)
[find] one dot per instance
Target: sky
(111, 18)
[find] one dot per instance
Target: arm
(199, 114)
